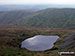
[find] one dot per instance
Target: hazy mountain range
(33, 7)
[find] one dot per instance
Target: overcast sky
(37, 2)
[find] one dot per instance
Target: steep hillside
(13, 17)
(47, 18)
(68, 42)
(53, 18)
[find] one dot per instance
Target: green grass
(11, 42)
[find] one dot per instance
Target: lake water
(39, 42)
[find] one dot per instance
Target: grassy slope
(11, 38)
(48, 18)
(52, 18)
(13, 17)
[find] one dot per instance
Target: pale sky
(37, 1)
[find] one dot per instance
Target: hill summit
(47, 18)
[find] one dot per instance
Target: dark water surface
(39, 42)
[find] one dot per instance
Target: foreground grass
(11, 38)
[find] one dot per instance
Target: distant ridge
(47, 18)
(53, 18)
(33, 7)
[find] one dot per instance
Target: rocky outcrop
(68, 42)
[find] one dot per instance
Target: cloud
(37, 1)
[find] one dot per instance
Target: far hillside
(13, 17)
(48, 18)
(53, 18)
